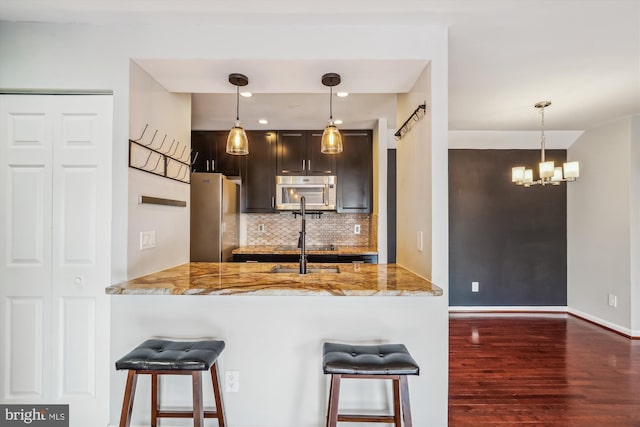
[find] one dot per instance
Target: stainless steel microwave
(319, 192)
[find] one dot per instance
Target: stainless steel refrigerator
(215, 217)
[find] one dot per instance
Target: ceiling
(504, 55)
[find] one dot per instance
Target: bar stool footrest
(352, 418)
(184, 414)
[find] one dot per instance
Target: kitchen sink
(296, 269)
(308, 248)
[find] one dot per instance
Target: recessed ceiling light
(337, 121)
(342, 94)
(246, 94)
(263, 121)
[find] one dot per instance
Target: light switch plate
(147, 239)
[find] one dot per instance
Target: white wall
(170, 113)
(414, 179)
(635, 225)
(81, 57)
(380, 187)
(599, 224)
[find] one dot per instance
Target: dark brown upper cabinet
(298, 153)
(258, 173)
(209, 151)
(355, 172)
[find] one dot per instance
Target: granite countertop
(201, 278)
(310, 249)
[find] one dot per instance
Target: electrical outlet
(147, 239)
(356, 229)
(475, 286)
(612, 300)
(232, 381)
(261, 228)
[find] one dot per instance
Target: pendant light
(331, 138)
(548, 173)
(237, 143)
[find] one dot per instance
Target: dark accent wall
(511, 239)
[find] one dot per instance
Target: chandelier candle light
(549, 174)
(237, 142)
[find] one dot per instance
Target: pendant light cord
(330, 103)
(542, 141)
(237, 103)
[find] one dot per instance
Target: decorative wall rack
(417, 114)
(168, 160)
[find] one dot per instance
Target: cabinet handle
(207, 165)
(212, 167)
(273, 202)
(303, 165)
(309, 163)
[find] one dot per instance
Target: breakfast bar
(201, 278)
(274, 322)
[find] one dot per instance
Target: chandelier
(548, 172)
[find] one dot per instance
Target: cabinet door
(226, 164)
(292, 153)
(355, 172)
(317, 162)
(258, 172)
(201, 143)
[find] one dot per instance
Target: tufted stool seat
(164, 357)
(384, 361)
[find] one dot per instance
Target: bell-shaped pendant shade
(331, 140)
(237, 142)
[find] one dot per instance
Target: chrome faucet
(302, 238)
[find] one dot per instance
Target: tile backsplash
(330, 228)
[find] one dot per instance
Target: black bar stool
(385, 361)
(163, 357)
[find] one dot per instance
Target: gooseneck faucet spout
(301, 240)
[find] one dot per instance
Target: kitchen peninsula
(274, 322)
(200, 278)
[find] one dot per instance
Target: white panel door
(55, 189)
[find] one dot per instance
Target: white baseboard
(507, 309)
(625, 331)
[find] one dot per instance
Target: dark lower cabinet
(328, 258)
(258, 173)
(355, 172)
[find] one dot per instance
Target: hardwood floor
(543, 370)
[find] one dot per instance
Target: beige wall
(414, 181)
(170, 114)
(599, 225)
